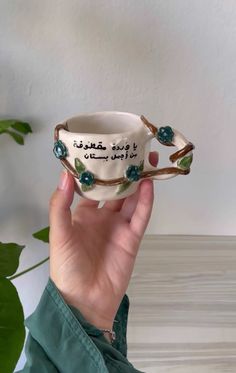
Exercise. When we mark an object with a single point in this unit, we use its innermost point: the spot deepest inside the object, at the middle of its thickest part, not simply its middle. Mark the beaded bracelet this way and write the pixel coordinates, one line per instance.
(111, 333)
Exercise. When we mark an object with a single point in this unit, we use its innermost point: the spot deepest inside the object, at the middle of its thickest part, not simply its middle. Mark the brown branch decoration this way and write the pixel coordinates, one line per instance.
(144, 174)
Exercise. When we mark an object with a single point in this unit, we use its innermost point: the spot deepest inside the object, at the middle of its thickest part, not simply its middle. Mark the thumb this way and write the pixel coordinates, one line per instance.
(60, 202)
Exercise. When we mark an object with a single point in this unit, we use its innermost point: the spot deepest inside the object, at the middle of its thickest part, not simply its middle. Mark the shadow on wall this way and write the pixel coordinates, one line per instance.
(80, 37)
(24, 219)
(57, 31)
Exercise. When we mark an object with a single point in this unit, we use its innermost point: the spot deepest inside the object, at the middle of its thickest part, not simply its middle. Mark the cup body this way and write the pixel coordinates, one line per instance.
(107, 143)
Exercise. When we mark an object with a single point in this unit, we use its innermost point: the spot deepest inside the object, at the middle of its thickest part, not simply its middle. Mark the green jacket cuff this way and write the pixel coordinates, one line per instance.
(119, 326)
(69, 343)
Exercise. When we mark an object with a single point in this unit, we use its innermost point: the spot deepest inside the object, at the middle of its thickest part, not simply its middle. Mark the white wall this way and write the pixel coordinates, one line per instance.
(173, 61)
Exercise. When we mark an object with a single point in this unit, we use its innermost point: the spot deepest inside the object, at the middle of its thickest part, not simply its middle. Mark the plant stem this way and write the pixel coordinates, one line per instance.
(28, 269)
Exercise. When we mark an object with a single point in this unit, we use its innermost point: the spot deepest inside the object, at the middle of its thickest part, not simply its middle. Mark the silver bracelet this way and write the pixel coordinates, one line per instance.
(111, 332)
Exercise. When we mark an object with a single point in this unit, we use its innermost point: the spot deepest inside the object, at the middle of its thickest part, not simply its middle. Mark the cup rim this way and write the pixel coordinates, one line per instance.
(98, 113)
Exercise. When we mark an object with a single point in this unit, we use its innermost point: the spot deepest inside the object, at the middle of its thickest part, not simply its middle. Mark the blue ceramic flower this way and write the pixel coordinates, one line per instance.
(133, 173)
(165, 135)
(60, 149)
(87, 178)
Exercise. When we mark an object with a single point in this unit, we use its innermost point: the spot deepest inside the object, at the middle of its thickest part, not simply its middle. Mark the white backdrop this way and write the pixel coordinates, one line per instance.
(171, 60)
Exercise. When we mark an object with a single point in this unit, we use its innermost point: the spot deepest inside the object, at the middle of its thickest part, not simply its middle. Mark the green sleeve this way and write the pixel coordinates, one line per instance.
(37, 359)
(61, 340)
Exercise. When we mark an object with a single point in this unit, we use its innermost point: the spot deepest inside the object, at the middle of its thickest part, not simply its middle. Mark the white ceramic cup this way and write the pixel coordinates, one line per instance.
(107, 153)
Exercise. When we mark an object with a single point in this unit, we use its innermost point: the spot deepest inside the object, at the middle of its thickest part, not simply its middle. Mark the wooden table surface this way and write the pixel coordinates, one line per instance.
(182, 315)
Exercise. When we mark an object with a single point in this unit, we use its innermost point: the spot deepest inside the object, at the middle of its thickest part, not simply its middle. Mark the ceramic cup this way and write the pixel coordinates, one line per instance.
(107, 153)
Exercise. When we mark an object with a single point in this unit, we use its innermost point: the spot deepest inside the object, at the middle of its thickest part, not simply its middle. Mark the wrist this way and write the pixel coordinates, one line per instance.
(98, 315)
(94, 318)
(93, 315)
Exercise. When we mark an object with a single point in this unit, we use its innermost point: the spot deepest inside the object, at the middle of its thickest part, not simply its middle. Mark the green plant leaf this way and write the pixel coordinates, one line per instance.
(123, 187)
(12, 328)
(9, 258)
(22, 127)
(6, 123)
(42, 235)
(79, 166)
(185, 162)
(18, 138)
(141, 165)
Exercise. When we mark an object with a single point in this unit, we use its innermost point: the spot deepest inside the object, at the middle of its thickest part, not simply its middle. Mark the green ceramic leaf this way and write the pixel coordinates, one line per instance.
(85, 187)
(79, 166)
(123, 187)
(185, 162)
(42, 235)
(12, 328)
(141, 165)
(9, 259)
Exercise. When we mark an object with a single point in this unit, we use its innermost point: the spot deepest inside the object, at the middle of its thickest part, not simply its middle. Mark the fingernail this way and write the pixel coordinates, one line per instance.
(63, 180)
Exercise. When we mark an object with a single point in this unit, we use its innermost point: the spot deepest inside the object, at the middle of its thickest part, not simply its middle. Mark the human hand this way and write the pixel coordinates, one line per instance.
(93, 250)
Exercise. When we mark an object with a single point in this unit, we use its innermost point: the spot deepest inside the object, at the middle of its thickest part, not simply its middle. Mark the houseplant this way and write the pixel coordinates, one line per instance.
(12, 330)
